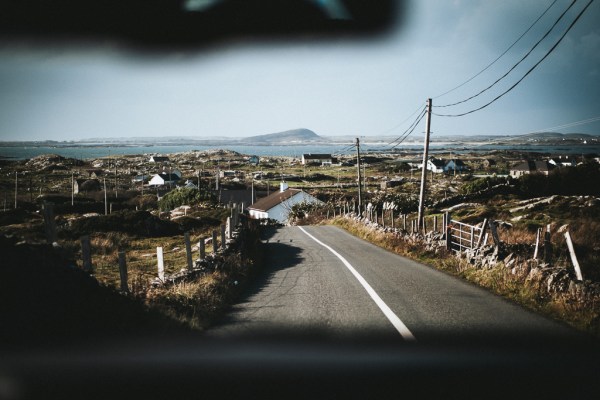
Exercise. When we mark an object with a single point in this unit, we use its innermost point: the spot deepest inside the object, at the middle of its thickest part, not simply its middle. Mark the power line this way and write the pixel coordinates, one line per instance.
(563, 126)
(401, 123)
(514, 66)
(527, 73)
(409, 132)
(501, 55)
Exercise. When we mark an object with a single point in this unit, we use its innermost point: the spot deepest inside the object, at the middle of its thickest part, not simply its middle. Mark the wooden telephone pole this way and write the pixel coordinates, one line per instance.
(424, 167)
(359, 180)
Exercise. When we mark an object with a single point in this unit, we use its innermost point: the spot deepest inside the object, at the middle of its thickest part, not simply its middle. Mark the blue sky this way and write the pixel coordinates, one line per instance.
(336, 87)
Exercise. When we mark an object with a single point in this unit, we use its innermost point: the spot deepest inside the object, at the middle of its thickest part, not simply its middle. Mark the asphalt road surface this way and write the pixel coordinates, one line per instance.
(322, 281)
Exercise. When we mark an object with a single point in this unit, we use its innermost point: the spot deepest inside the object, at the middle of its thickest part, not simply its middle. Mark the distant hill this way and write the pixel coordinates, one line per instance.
(294, 135)
(549, 136)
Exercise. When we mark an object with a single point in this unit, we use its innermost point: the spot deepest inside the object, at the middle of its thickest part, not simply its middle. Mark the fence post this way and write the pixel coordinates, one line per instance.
(123, 272)
(446, 223)
(494, 233)
(188, 250)
(223, 237)
(86, 253)
(404, 222)
(229, 227)
(161, 264)
(202, 248)
(49, 223)
(435, 223)
(214, 242)
(573, 256)
(547, 245)
(483, 228)
(424, 225)
(393, 219)
(383, 218)
(448, 233)
(537, 243)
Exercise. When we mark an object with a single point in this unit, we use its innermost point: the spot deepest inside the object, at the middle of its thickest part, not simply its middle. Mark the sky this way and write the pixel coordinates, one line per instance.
(333, 87)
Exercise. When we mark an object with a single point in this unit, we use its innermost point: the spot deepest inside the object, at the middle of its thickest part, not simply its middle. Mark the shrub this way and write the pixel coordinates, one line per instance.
(185, 196)
(140, 223)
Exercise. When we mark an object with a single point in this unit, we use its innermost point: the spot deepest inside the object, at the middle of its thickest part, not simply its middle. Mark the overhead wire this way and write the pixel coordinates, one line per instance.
(501, 55)
(401, 123)
(527, 73)
(404, 134)
(563, 126)
(516, 65)
(409, 132)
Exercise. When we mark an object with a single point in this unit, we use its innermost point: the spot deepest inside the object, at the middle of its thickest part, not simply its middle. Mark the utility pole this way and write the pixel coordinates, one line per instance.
(116, 183)
(16, 187)
(105, 202)
(359, 181)
(424, 167)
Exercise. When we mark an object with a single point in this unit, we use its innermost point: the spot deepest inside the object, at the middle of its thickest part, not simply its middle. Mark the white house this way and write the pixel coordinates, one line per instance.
(434, 165)
(323, 159)
(277, 206)
(163, 179)
(158, 159)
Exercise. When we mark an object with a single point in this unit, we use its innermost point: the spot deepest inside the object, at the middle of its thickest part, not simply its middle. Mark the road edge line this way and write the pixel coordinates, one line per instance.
(387, 311)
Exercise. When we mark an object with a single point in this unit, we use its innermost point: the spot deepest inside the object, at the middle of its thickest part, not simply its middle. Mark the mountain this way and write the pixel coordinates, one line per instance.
(287, 137)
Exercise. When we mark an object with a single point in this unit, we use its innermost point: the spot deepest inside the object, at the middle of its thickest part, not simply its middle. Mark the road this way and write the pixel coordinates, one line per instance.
(321, 280)
(330, 317)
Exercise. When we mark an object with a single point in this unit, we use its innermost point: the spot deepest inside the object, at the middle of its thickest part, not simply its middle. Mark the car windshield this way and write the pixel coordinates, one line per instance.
(304, 187)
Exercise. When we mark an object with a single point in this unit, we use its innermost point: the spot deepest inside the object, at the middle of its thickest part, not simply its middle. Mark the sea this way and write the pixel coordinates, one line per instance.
(22, 152)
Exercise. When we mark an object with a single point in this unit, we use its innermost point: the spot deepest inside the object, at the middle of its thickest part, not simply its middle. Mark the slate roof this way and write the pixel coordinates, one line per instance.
(266, 203)
(532, 166)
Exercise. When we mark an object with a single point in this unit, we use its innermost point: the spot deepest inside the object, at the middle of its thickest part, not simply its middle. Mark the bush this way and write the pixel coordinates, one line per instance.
(185, 196)
(140, 223)
(581, 180)
(145, 202)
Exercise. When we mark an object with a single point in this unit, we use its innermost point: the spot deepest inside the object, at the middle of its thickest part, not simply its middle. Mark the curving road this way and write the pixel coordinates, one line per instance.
(321, 280)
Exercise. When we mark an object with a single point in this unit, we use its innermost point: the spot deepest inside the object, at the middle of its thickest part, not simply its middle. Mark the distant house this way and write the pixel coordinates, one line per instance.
(531, 167)
(323, 159)
(140, 178)
(158, 159)
(277, 206)
(455, 165)
(561, 161)
(95, 173)
(86, 185)
(227, 174)
(190, 185)
(175, 171)
(435, 165)
(163, 179)
(253, 160)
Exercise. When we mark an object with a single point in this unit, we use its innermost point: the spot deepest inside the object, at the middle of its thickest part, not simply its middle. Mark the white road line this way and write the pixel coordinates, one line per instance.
(393, 318)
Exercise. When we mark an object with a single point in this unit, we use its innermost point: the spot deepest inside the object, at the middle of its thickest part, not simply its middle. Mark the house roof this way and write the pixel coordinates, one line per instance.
(532, 166)
(437, 162)
(456, 162)
(315, 156)
(168, 177)
(159, 158)
(266, 203)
